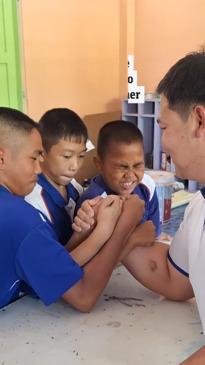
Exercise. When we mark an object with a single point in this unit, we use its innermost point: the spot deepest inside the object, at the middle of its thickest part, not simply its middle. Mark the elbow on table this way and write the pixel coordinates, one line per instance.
(81, 300)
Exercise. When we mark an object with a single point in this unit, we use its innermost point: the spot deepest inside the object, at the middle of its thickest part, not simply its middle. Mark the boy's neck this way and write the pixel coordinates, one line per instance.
(61, 188)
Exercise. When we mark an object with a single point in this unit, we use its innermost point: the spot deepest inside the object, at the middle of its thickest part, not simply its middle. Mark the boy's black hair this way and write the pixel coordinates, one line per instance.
(61, 123)
(117, 131)
(184, 84)
(16, 120)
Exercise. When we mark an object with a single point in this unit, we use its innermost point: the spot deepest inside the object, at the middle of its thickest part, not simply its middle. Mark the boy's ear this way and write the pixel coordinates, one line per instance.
(200, 121)
(2, 158)
(98, 163)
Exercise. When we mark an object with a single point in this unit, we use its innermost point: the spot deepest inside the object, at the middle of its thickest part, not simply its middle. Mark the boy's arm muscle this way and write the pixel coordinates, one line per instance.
(151, 267)
(98, 270)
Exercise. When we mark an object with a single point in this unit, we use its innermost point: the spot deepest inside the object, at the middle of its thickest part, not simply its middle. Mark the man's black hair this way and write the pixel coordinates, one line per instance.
(61, 123)
(117, 131)
(184, 83)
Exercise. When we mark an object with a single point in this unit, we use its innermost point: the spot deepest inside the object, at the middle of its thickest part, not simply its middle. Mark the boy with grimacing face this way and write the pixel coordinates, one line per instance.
(120, 161)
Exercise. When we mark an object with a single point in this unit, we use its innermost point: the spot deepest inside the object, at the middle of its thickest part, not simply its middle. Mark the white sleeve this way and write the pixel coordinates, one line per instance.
(35, 198)
(178, 252)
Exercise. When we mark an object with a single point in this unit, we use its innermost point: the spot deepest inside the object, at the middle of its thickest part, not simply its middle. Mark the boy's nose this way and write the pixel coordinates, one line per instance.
(38, 168)
(73, 164)
(129, 172)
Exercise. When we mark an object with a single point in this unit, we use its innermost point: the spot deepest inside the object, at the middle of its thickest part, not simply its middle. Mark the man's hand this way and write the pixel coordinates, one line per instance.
(133, 210)
(143, 235)
(85, 218)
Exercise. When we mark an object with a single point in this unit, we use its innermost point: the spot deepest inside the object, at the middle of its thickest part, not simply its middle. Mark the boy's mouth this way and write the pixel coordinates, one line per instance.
(128, 184)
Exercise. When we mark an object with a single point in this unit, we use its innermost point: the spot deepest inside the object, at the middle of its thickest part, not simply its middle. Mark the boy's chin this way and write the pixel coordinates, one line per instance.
(125, 192)
(64, 180)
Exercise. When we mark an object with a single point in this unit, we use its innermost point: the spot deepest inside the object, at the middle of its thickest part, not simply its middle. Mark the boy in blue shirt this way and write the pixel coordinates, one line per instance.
(64, 137)
(120, 161)
(32, 259)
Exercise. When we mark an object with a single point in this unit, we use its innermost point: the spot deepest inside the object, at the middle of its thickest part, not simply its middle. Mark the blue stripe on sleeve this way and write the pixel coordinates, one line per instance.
(177, 267)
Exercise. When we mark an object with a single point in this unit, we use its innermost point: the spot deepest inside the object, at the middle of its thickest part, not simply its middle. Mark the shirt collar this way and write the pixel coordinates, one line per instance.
(4, 189)
(52, 191)
(99, 181)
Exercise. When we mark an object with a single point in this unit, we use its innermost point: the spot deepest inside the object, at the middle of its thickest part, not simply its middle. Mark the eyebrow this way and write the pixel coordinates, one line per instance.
(127, 165)
(68, 150)
(39, 152)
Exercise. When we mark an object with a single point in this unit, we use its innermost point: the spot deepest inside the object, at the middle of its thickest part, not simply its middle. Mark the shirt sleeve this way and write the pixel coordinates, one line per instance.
(45, 265)
(178, 252)
(153, 213)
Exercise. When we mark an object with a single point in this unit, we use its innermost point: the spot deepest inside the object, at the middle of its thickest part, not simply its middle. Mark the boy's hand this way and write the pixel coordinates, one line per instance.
(108, 213)
(85, 218)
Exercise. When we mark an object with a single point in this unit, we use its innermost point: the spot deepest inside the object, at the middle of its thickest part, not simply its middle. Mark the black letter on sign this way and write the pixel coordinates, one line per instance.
(130, 79)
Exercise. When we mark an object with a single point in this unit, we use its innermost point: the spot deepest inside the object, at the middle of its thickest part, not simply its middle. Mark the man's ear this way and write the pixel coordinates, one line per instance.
(98, 163)
(199, 111)
(2, 158)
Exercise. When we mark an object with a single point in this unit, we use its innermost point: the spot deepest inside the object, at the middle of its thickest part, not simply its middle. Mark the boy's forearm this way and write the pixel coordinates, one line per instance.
(107, 258)
(98, 271)
(86, 250)
(76, 239)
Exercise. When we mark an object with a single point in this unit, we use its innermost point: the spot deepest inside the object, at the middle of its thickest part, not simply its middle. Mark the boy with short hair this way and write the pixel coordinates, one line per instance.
(32, 259)
(64, 137)
(120, 161)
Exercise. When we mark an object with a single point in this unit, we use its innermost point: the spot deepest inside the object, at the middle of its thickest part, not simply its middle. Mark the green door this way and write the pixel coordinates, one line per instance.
(10, 78)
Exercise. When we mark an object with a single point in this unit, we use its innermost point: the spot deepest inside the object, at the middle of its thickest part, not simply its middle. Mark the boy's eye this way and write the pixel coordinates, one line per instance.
(123, 168)
(67, 157)
(82, 156)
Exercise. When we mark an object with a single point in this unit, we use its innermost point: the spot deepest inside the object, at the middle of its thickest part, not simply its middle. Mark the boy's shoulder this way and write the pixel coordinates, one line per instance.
(36, 199)
(14, 211)
(96, 187)
(147, 185)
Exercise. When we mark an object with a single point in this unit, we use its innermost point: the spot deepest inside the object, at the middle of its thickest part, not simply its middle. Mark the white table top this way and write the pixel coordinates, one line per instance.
(116, 332)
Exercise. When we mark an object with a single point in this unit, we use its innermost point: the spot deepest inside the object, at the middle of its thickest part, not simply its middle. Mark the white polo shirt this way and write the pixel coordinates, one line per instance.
(187, 250)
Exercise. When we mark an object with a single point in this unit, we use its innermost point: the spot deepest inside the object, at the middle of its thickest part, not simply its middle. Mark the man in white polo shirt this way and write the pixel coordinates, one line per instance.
(178, 271)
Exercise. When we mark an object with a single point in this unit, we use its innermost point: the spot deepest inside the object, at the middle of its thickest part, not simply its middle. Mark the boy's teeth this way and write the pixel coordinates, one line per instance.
(127, 184)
